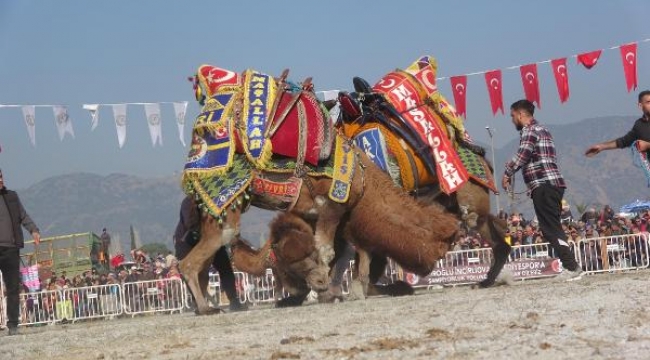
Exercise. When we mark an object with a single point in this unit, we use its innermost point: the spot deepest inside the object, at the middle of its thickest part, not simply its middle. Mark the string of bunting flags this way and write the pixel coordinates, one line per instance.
(530, 80)
(493, 82)
(64, 122)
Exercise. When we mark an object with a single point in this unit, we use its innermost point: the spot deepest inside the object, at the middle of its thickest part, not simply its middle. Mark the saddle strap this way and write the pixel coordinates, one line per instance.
(302, 141)
(281, 87)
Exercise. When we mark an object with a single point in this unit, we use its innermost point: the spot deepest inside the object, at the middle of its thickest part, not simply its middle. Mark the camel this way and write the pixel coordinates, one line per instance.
(369, 109)
(291, 253)
(251, 122)
(382, 219)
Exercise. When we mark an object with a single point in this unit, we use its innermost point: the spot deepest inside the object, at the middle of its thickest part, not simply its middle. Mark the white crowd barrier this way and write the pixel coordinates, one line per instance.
(596, 255)
(614, 253)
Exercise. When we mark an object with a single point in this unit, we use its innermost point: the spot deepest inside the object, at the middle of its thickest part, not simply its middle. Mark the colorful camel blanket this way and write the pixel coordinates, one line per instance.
(477, 168)
(218, 191)
(641, 160)
(407, 95)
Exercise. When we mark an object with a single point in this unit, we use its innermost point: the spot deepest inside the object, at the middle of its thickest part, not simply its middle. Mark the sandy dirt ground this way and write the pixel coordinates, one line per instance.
(600, 317)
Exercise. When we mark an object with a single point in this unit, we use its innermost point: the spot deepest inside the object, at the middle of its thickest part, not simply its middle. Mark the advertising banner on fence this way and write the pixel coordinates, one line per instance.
(464, 274)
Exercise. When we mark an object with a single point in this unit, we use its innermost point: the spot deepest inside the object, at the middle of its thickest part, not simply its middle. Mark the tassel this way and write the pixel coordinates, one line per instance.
(640, 159)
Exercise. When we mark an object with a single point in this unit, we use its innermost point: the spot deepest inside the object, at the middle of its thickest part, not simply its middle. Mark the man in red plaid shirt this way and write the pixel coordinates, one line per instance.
(537, 159)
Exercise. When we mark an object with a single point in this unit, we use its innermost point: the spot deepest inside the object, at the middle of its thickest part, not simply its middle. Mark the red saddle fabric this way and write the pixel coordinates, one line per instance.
(286, 139)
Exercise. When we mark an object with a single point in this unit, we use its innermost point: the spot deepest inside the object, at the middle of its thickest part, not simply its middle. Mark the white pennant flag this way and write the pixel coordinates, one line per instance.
(63, 122)
(119, 113)
(29, 114)
(94, 115)
(152, 111)
(179, 109)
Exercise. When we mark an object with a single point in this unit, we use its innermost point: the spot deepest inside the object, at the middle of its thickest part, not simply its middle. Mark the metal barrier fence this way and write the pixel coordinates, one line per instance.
(596, 255)
(614, 253)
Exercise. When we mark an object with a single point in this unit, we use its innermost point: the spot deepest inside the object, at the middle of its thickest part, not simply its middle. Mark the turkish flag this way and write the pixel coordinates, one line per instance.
(459, 88)
(531, 82)
(628, 55)
(493, 82)
(561, 78)
(589, 59)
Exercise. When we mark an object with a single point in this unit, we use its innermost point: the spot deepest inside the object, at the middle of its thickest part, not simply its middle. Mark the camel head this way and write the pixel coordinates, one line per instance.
(295, 253)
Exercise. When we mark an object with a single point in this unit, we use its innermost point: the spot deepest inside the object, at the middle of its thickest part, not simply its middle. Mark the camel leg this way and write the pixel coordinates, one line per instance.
(359, 286)
(213, 236)
(329, 216)
(500, 249)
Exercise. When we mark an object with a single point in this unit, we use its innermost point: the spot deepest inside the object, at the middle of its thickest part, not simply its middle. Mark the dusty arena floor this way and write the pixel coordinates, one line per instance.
(599, 317)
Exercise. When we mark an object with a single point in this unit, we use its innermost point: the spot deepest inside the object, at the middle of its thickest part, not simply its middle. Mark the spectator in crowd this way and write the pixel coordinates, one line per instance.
(606, 214)
(590, 217)
(590, 233)
(12, 216)
(537, 157)
(105, 239)
(566, 217)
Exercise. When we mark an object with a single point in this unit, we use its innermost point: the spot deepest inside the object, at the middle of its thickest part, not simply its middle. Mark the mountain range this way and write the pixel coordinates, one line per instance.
(83, 202)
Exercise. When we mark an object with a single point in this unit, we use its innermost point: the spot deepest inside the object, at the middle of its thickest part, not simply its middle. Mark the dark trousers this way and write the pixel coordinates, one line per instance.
(221, 263)
(10, 267)
(547, 201)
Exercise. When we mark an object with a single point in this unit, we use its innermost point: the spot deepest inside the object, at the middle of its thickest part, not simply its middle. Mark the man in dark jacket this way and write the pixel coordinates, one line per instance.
(640, 131)
(12, 215)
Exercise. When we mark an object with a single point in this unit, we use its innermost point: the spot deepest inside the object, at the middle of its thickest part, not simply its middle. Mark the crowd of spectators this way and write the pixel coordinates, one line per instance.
(592, 224)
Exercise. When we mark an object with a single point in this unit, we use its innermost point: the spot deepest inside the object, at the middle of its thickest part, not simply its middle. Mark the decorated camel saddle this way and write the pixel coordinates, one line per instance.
(258, 135)
(412, 132)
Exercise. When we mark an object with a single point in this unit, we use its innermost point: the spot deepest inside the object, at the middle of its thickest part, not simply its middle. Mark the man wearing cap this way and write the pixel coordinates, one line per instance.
(12, 216)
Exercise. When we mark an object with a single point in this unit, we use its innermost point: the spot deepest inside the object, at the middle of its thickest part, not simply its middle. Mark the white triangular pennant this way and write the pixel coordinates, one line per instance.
(29, 114)
(179, 109)
(152, 111)
(119, 113)
(94, 115)
(63, 122)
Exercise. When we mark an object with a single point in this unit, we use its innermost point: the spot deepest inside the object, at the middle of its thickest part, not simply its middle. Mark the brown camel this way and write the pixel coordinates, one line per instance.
(471, 202)
(389, 223)
(291, 253)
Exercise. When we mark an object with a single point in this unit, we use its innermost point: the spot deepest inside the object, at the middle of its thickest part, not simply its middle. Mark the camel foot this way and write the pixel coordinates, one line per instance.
(208, 311)
(238, 306)
(331, 295)
(356, 291)
(291, 301)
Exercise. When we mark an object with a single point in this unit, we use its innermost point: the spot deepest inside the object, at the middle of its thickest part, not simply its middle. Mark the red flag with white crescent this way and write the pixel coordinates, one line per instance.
(459, 88)
(628, 55)
(493, 82)
(561, 78)
(589, 59)
(531, 83)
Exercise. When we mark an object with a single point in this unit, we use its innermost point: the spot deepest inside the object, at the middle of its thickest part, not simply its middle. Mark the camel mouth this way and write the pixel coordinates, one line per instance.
(318, 280)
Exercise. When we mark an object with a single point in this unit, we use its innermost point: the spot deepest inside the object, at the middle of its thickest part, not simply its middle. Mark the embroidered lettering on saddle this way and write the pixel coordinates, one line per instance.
(253, 126)
(419, 130)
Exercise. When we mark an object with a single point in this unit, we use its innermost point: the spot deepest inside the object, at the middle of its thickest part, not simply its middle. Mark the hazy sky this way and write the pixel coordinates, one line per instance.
(76, 52)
